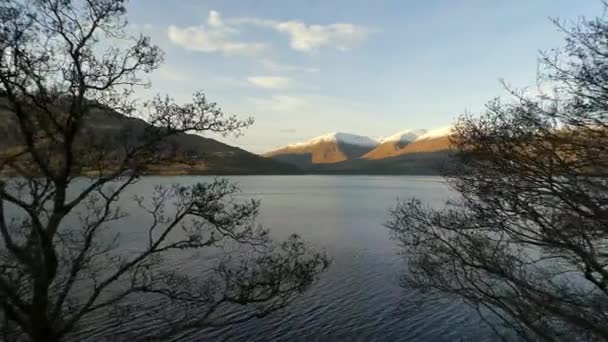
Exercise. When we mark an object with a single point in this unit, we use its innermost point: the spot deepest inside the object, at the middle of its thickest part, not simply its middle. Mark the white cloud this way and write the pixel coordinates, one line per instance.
(280, 103)
(308, 38)
(217, 35)
(214, 37)
(269, 82)
(214, 19)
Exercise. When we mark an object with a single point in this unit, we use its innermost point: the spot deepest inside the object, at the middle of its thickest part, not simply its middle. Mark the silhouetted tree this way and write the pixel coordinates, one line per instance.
(524, 241)
(67, 68)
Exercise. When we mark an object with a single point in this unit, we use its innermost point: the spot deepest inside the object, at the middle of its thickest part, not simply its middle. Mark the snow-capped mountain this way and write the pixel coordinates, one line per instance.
(442, 132)
(391, 145)
(325, 149)
(407, 135)
(411, 141)
(339, 137)
(345, 151)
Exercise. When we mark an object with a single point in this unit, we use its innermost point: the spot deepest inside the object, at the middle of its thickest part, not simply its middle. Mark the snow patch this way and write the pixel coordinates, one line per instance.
(338, 137)
(407, 135)
(436, 133)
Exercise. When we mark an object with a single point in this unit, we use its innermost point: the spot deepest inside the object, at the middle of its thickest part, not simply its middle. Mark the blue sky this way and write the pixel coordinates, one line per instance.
(304, 68)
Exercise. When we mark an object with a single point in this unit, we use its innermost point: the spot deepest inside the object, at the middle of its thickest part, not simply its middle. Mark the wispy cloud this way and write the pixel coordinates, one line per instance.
(215, 36)
(307, 38)
(214, 19)
(219, 35)
(269, 82)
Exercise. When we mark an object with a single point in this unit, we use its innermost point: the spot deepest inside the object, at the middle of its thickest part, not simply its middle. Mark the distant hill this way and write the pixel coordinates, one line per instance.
(326, 149)
(198, 155)
(406, 152)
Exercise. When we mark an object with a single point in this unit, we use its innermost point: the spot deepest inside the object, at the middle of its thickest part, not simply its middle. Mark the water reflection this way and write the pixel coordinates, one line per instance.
(359, 298)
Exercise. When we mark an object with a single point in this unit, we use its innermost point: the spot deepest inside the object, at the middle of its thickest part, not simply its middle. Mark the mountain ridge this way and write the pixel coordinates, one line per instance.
(195, 154)
(339, 137)
(412, 141)
(328, 148)
(411, 151)
(405, 135)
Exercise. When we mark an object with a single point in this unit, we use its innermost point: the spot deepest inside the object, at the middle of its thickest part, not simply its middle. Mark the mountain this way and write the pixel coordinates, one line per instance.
(196, 154)
(432, 141)
(406, 152)
(412, 141)
(329, 148)
(392, 145)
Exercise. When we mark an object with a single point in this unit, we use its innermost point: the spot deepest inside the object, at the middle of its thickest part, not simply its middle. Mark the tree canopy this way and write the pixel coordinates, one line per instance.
(63, 64)
(524, 240)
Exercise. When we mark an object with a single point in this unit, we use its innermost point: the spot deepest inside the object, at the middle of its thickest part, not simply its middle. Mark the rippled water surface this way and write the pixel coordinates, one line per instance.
(359, 298)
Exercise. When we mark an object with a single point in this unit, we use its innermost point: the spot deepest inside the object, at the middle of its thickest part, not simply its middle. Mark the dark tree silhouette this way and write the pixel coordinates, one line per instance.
(68, 72)
(525, 239)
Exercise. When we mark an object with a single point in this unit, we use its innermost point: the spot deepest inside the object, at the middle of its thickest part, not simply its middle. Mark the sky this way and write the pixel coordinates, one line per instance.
(309, 67)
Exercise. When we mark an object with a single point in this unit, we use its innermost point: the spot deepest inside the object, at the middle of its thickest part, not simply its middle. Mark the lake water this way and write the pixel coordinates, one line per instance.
(359, 298)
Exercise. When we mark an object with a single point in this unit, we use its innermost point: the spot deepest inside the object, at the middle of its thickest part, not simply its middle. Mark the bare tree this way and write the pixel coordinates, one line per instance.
(525, 242)
(67, 68)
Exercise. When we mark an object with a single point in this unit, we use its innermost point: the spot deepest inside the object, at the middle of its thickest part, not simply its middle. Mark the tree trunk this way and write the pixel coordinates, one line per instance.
(42, 329)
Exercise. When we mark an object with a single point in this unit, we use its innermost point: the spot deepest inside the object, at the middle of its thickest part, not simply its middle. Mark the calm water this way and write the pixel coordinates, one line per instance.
(359, 298)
